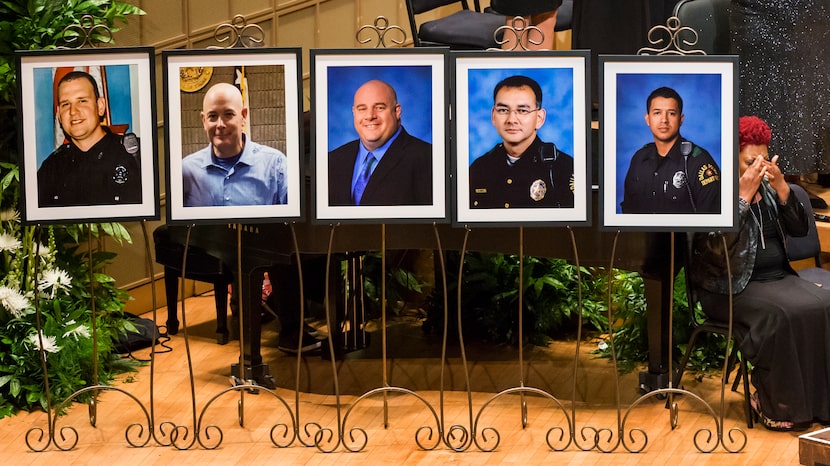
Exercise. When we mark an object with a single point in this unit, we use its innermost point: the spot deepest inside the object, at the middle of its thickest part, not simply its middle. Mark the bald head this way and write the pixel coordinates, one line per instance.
(377, 114)
(224, 117)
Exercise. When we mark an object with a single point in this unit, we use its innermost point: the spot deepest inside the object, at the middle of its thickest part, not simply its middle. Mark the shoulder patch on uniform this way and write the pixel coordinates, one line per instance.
(708, 173)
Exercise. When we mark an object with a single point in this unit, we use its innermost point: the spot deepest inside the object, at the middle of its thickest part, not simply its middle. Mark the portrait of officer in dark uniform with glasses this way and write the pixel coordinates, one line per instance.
(522, 170)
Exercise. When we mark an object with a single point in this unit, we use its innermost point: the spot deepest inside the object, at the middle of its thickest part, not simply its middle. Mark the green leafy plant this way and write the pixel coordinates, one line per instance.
(47, 269)
(402, 286)
(42, 282)
(631, 338)
(489, 307)
(40, 24)
(489, 298)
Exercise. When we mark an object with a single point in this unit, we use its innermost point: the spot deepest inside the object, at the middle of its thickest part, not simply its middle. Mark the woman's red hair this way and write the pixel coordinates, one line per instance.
(753, 131)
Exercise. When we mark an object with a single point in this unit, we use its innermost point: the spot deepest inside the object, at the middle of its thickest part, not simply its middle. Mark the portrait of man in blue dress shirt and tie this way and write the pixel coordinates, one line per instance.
(385, 165)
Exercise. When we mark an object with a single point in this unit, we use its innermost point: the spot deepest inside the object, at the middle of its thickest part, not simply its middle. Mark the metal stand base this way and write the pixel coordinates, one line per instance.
(258, 374)
(649, 381)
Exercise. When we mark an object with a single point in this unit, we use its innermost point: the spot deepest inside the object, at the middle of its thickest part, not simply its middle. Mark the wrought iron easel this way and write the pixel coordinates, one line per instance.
(671, 39)
(88, 34)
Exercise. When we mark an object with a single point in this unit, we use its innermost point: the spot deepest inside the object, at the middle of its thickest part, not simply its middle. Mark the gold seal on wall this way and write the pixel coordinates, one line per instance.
(193, 78)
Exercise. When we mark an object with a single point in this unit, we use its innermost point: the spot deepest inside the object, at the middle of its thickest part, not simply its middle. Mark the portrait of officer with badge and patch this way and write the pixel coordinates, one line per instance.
(670, 175)
(522, 170)
(94, 165)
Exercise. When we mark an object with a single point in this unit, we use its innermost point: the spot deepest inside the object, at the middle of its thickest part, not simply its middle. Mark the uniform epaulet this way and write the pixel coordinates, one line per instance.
(696, 151)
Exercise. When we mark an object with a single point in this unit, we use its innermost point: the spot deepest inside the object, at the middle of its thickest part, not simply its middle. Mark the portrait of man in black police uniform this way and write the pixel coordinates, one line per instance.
(522, 170)
(94, 166)
(670, 175)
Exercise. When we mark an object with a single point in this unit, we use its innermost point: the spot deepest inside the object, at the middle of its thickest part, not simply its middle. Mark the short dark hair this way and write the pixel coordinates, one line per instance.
(519, 81)
(666, 93)
(72, 75)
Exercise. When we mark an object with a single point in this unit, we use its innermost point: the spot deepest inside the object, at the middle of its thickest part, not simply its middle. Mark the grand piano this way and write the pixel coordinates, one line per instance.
(265, 246)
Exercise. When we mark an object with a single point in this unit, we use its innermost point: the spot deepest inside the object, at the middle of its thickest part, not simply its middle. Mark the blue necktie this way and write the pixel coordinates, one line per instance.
(363, 179)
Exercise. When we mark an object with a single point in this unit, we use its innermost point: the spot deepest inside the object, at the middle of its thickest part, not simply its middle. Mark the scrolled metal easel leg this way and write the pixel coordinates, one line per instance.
(456, 437)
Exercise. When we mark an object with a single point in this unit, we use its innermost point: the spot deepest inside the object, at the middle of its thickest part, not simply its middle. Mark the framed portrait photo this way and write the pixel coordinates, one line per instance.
(380, 135)
(522, 142)
(234, 135)
(88, 135)
(668, 130)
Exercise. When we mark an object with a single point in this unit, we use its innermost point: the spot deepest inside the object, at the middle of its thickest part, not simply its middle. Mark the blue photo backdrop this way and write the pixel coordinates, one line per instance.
(412, 84)
(557, 100)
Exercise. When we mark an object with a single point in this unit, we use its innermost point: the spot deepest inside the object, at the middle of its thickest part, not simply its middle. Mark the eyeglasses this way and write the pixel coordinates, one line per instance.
(520, 112)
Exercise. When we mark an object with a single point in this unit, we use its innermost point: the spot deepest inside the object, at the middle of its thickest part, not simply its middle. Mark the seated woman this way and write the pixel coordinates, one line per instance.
(783, 321)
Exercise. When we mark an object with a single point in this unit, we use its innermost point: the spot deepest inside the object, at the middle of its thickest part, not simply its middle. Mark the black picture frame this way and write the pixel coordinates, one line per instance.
(270, 81)
(416, 191)
(708, 86)
(563, 77)
(116, 179)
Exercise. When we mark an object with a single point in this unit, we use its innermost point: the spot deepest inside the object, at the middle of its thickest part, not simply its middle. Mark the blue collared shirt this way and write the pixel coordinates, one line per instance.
(257, 178)
(363, 152)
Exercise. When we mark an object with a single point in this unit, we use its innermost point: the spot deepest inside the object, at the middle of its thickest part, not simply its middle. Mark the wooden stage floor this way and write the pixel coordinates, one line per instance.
(250, 444)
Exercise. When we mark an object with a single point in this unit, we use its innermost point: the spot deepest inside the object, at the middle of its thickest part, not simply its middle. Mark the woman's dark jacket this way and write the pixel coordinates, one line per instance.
(708, 269)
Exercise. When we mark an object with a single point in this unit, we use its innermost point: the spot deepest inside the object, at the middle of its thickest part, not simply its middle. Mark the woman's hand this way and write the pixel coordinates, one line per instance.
(751, 179)
(777, 181)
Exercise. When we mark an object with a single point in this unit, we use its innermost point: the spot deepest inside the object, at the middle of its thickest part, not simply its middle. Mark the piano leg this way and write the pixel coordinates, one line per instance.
(657, 303)
(250, 366)
(171, 291)
(657, 271)
(220, 295)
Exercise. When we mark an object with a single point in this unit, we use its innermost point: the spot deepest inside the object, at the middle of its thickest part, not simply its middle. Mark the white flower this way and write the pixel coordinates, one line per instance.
(602, 345)
(9, 215)
(12, 300)
(42, 250)
(50, 344)
(81, 330)
(8, 242)
(54, 280)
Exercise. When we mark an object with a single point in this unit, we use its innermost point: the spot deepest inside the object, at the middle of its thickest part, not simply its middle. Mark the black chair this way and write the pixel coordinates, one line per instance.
(808, 247)
(464, 29)
(719, 328)
(565, 17)
(710, 18)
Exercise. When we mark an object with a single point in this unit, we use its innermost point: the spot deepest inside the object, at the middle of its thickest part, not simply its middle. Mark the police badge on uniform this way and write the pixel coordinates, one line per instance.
(120, 174)
(679, 179)
(538, 190)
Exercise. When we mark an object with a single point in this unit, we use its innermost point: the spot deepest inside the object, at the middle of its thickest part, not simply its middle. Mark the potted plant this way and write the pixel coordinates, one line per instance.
(48, 277)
